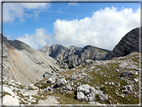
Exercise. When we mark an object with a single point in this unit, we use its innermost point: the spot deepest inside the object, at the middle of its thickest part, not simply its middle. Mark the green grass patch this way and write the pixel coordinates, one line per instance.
(68, 99)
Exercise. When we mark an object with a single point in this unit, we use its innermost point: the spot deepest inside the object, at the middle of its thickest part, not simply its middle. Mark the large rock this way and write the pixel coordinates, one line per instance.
(129, 43)
(61, 82)
(81, 96)
(51, 80)
(86, 93)
(126, 73)
(127, 89)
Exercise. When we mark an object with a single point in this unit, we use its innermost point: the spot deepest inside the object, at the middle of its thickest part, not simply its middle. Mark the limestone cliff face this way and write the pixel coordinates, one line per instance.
(24, 64)
(129, 43)
(74, 54)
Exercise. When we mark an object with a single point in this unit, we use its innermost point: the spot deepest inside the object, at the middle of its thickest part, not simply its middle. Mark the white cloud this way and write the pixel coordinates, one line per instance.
(11, 11)
(104, 29)
(37, 40)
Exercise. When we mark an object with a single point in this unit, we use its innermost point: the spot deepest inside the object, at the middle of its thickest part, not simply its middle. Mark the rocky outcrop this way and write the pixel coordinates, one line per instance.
(16, 94)
(74, 54)
(88, 93)
(60, 82)
(24, 64)
(129, 43)
(127, 89)
(51, 80)
(126, 74)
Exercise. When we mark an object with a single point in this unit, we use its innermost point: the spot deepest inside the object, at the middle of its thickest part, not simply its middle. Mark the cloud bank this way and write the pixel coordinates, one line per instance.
(104, 29)
(36, 40)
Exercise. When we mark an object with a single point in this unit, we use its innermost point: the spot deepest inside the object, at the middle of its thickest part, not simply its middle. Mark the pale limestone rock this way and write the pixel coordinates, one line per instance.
(9, 100)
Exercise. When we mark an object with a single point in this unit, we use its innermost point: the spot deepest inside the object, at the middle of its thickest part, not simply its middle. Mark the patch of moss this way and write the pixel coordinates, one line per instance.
(123, 83)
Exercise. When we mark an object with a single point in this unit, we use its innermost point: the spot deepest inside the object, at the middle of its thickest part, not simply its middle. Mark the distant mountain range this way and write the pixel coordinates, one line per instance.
(20, 61)
(77, 55)
(129, 43)
(112, 81)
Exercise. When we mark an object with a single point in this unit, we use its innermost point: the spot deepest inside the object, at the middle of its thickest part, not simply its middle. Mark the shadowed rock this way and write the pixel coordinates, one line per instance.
(129, 43)
(126, 74)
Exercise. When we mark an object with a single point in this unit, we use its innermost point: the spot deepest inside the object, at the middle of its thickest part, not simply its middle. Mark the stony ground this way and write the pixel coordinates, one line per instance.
(15, 93)
(113, 81)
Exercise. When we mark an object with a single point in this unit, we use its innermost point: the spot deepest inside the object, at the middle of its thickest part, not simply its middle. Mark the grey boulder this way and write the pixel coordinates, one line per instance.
(127, 89)
(51, 80)
(86, 93)
(61, 82)
(126, 73)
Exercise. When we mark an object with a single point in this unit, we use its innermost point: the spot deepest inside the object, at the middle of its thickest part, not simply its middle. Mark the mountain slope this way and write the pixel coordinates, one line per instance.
(115, 81)
(24, 64)
(129, 43)
(74, 54)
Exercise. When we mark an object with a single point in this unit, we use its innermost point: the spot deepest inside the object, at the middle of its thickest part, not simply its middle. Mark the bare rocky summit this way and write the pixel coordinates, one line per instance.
(77, 55)
(24, 64)
(129, 43)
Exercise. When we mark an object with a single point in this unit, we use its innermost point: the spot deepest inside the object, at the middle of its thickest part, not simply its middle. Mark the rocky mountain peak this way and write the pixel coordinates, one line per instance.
(87, 47)
(129, 43)
(19, 45)
(77, 55)
(24, 64)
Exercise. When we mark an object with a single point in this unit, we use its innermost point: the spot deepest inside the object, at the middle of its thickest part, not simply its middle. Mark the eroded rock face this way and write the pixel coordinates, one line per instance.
(129, 43)
(74, 54)
(24, 64)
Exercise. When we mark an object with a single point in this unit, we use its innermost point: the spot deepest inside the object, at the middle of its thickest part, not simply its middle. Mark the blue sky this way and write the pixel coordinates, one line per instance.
(79, 24)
